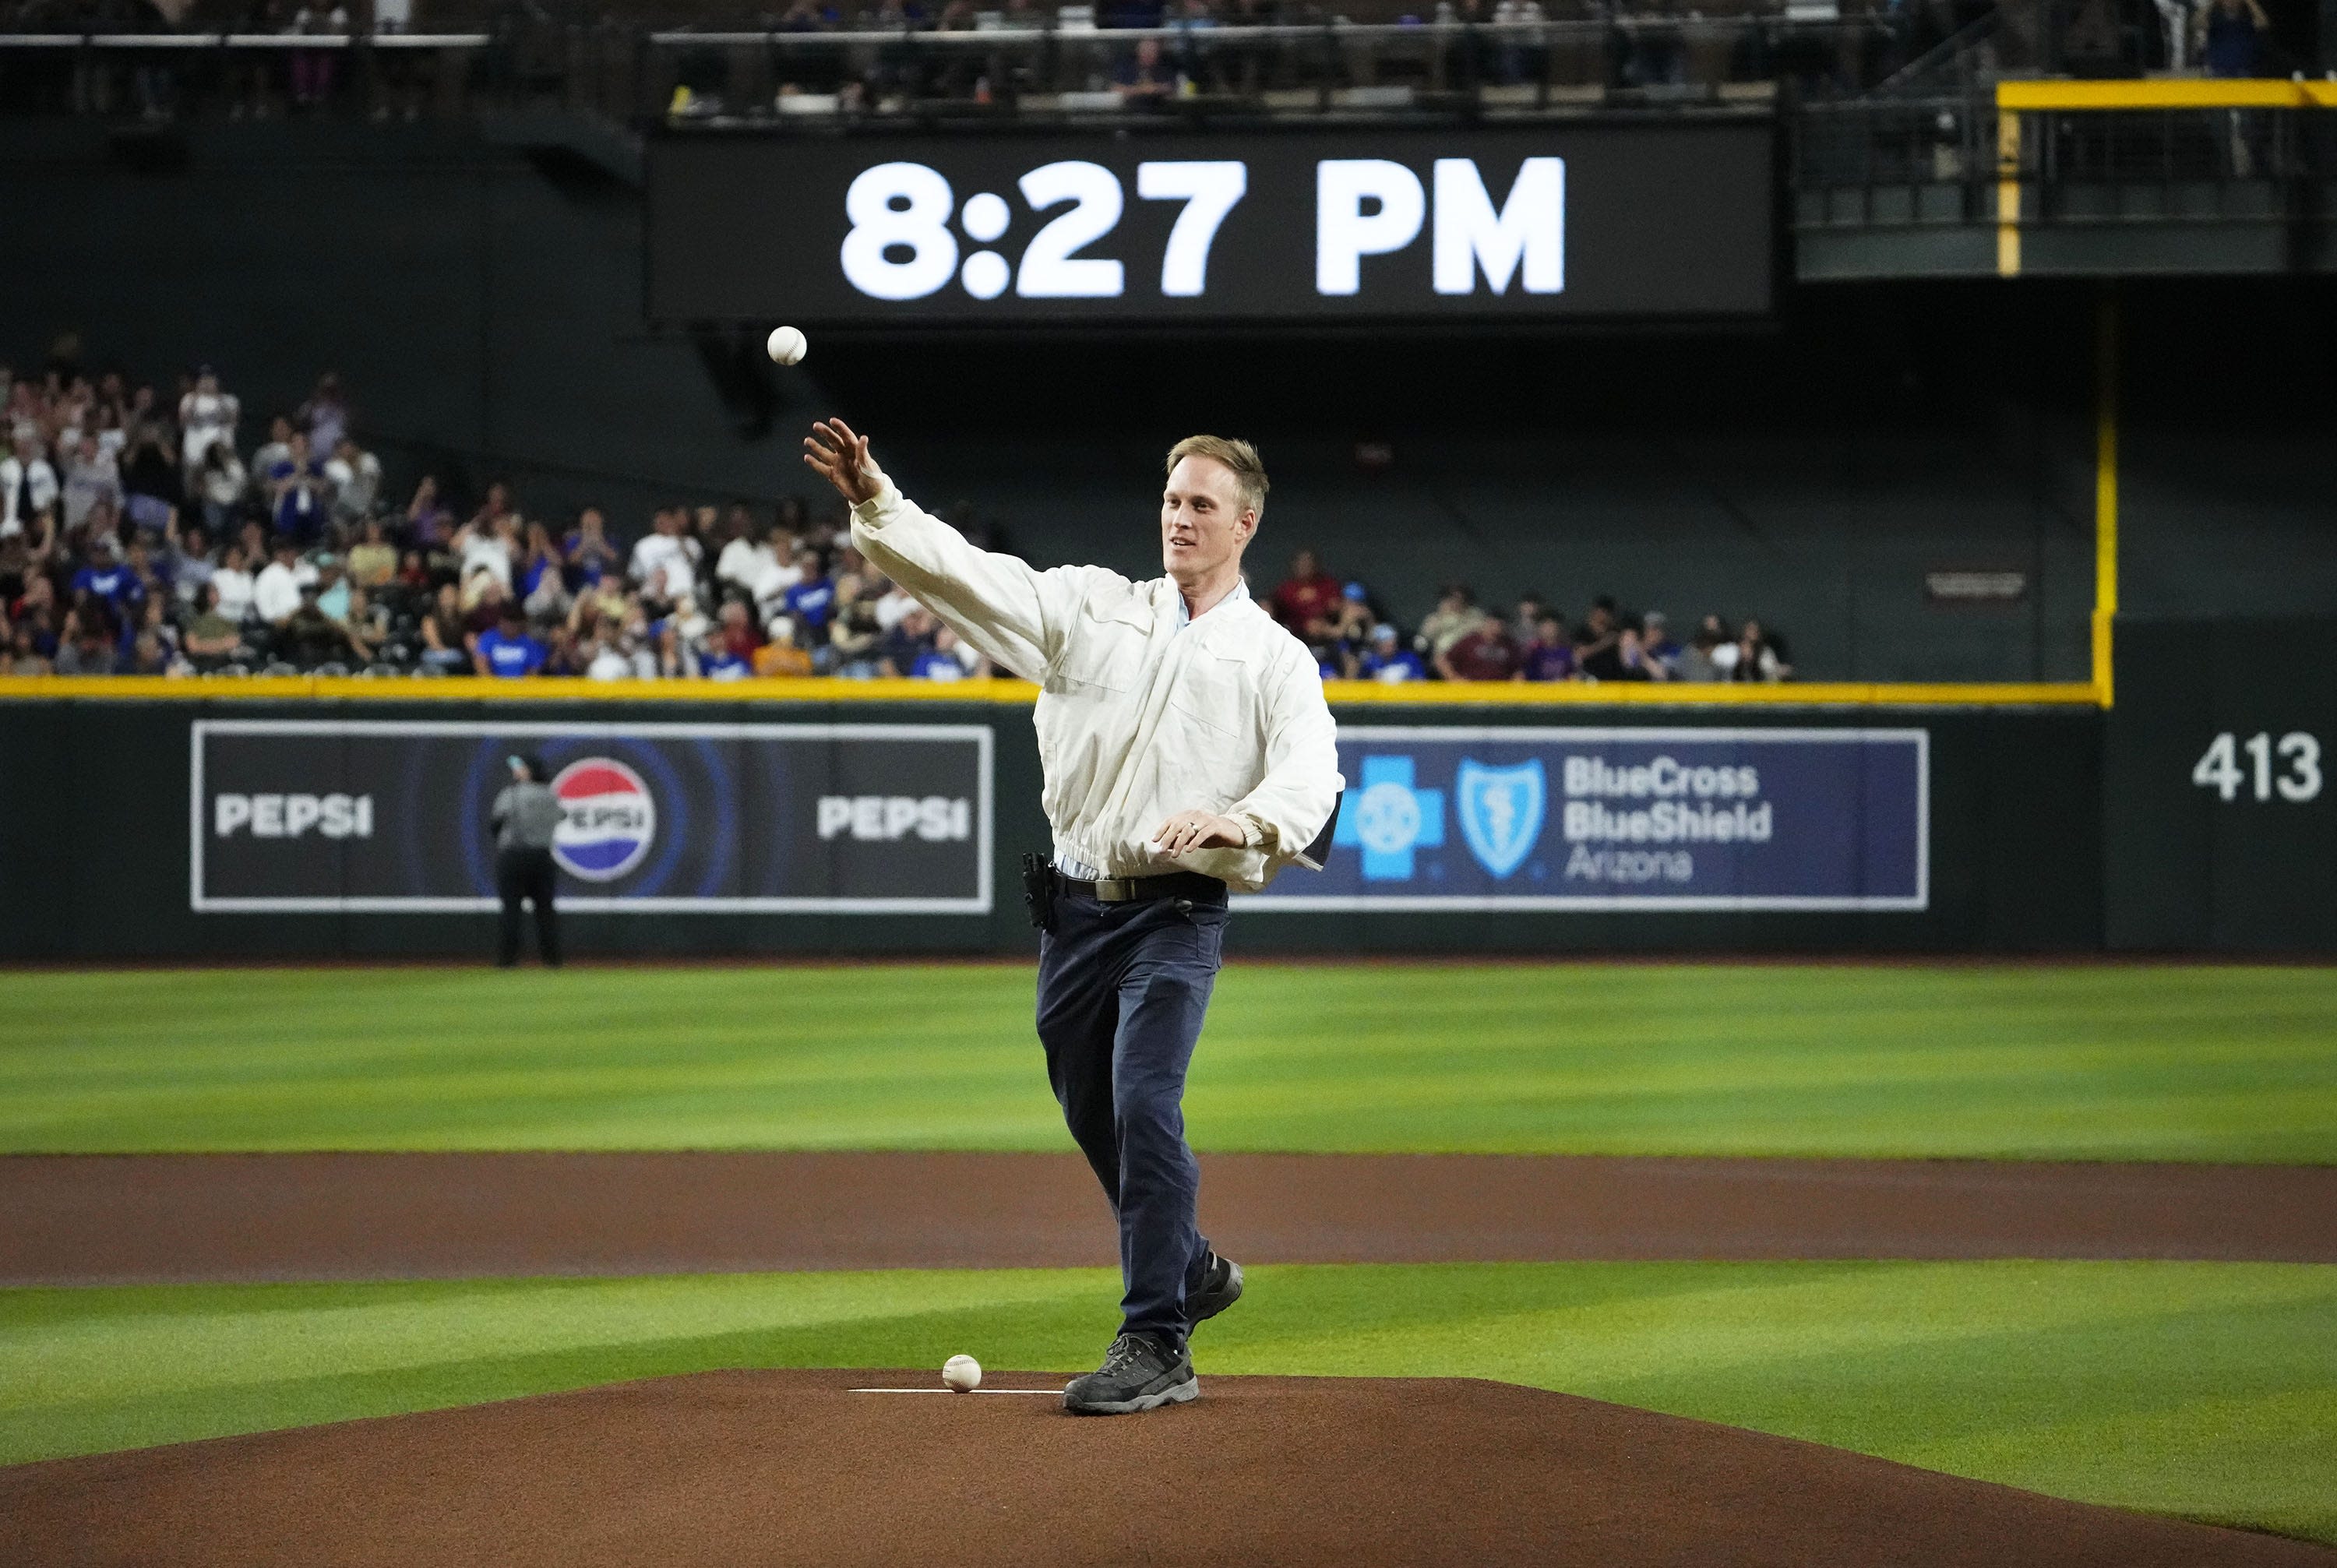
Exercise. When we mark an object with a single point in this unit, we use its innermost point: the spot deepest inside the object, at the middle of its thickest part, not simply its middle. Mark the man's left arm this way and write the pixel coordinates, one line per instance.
(1291, 804)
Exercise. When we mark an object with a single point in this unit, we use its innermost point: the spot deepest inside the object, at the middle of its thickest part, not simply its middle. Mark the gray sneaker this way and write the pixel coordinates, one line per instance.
(1137, 1374)
(1220, 1287)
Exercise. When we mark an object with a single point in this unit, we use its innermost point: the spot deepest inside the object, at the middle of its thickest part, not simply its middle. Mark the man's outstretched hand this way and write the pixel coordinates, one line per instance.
(1197, 830)
(842, 459)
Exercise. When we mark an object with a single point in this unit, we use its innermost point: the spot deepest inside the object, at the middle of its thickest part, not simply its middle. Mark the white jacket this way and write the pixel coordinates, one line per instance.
(1138, 717)
(40, 488)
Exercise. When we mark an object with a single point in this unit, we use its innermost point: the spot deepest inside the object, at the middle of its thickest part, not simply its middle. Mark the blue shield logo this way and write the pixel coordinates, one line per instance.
(1501, 812)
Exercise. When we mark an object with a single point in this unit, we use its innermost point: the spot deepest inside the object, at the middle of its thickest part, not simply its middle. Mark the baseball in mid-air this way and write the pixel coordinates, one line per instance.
(962, 1372)
(787, 345)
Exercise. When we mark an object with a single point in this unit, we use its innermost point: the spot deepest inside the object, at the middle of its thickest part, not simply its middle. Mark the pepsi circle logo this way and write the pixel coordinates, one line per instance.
(610, 820)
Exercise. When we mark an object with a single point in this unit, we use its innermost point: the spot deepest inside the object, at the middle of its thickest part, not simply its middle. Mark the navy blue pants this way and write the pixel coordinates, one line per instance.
(1122, 991)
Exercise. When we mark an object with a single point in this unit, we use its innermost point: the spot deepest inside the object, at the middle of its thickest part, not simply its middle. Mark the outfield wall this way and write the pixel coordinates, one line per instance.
(198, 828)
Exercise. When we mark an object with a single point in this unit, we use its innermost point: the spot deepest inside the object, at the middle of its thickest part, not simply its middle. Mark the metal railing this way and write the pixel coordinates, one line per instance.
(1965, 159)
(1644, 59)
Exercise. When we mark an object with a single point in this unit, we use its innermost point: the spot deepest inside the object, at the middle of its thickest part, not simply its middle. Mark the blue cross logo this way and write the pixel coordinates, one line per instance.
(1390, 819)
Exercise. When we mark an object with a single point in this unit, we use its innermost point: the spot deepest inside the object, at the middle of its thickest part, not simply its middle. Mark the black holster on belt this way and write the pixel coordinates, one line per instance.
(1039, 890)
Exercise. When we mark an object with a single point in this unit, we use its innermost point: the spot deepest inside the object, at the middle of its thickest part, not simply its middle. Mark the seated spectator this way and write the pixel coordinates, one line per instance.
(1306, 598)
(213, 637)
(276, 590)
(745, 559)
(86, 645)
(428, 524)
(446, 639)
(373, 561)
(907, 641)
(734, 629)
(1631, 660)
(234, 584)
(1456, 616)
(1388, 660)
(1483, 653)
(779, 655)
(719, 660)
(785, 571)
(1597, 642)
(508, 650)
(310, 637)
(948, 658)
(1549, 656)
(106, 577)
(853, 640)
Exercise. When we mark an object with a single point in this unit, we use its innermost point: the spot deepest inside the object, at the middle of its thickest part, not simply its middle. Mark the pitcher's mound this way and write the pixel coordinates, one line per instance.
(796, 1467)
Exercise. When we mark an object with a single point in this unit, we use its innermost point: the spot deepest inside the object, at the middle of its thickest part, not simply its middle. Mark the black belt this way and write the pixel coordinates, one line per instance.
(1133, 890)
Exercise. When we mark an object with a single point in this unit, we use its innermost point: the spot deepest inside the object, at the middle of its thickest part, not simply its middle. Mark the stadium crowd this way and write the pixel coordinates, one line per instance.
(1461, 641)
(139, 535)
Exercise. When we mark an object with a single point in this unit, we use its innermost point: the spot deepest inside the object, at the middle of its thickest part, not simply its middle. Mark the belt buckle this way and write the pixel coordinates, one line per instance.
(1115, 890)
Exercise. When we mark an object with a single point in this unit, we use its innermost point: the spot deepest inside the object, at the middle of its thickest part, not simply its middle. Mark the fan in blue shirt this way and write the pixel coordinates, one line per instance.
(1389, 659)
(811, 602)
(508, 650)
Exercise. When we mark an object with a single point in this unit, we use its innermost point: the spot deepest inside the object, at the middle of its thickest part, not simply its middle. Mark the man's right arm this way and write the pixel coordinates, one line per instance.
(1014, 615)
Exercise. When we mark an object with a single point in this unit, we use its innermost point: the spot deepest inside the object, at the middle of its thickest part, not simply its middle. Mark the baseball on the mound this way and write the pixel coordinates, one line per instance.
(787, 345)
(962, 1374)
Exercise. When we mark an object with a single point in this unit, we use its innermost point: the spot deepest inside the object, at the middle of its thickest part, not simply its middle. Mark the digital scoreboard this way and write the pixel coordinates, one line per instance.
(1519, 224)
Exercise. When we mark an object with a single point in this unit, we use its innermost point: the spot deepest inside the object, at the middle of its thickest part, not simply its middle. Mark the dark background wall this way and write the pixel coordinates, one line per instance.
(484, 304)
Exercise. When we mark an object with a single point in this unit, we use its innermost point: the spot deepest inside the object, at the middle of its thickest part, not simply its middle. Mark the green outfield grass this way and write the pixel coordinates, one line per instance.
(2202, 1390)
(2091, 1061)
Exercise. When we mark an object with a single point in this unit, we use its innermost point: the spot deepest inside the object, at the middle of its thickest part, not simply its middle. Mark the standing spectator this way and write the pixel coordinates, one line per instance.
(666, 548)
(526, 816)
(1550, 655)
(276, 449)
(446, 641)
(1655, 643)
(207, 416)
(812, 601)
(325, 414)
(1388, 660)
(218, 484)
(355, 476)
(91, 478)
(590, 552)
(1699, 662)
(295, 490)
(1753, 657)
(1456, 616)
(1525, 622)
(508, 649)
(745, 560)
(1307, 597)
(1598, 640)
(1483, 653)
(151, 486)
(2232, 35)
(28, 485)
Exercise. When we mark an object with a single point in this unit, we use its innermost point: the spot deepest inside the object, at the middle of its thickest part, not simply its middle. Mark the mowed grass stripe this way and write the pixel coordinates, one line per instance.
(2093, 1061)
(2201, 1390)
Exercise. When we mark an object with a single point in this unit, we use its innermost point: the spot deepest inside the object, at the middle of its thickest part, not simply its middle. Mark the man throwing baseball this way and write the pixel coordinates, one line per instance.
(1187, 750)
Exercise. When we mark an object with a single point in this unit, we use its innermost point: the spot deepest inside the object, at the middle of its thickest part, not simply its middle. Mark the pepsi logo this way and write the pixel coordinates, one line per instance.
(609, 820)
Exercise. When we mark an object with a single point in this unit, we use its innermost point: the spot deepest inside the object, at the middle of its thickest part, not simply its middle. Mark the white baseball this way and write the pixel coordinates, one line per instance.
(962, 1374)
(787, 345)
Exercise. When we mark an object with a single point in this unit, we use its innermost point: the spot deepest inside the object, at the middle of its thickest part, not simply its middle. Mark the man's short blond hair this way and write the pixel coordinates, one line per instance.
(1249, 471)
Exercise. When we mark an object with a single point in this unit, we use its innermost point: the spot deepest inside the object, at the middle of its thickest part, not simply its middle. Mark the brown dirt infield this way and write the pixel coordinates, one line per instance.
(105, 1219)
(792, 1467)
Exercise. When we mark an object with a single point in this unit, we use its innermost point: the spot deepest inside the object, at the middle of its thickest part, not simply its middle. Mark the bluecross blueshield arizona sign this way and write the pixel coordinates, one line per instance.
(1624, 818)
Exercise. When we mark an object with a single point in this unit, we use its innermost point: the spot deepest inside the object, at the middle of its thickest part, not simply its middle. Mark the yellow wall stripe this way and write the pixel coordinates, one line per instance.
(1020, 694)
(2106, 492)
(2167, 93)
